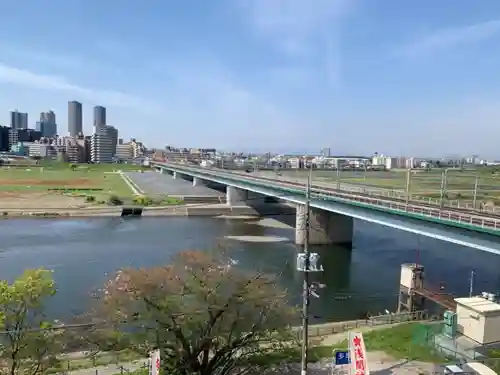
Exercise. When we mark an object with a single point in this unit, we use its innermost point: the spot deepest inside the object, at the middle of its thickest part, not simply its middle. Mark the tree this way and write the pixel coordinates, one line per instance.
(205, 315)
(26, 344)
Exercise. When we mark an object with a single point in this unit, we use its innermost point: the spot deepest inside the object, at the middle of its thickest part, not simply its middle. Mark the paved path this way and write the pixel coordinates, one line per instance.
(125, 367)
(379, 362)
(157, 183)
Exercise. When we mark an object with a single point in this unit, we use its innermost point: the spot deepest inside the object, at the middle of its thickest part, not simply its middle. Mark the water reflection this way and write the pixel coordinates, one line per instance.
(84, 253)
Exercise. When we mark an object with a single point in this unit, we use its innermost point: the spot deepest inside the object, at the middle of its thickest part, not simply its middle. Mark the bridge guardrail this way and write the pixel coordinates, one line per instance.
(392, 193)
(463, 218)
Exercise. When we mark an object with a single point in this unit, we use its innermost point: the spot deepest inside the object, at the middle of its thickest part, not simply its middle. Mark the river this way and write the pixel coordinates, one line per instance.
(85, 252)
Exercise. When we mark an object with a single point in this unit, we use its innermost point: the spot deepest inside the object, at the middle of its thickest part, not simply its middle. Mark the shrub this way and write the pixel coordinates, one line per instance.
(114, 200)
(89, 198)
(143, 200)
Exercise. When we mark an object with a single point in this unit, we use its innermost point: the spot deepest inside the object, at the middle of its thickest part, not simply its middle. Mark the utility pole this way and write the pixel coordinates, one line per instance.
(305, 291)
(471, 283)
(408, 185)
(474, 199)
(338, 174)
(444, 178)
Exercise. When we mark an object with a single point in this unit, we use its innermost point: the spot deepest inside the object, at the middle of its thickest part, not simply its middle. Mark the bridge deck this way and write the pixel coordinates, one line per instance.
(468, 217)
(464, 227)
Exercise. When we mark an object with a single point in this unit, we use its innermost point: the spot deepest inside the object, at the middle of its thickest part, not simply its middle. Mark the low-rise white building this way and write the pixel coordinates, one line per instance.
(478, 318)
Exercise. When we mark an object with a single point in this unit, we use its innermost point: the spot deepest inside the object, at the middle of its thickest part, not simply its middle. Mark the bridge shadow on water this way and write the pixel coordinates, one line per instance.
(365, 279)
(340, 298)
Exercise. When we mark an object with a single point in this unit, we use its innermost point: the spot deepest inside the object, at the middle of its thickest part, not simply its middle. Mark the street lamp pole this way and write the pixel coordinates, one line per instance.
(305, 291)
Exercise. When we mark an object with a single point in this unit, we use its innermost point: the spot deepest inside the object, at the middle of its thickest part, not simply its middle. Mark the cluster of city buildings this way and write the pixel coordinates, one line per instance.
(322, 160)
(44, 141)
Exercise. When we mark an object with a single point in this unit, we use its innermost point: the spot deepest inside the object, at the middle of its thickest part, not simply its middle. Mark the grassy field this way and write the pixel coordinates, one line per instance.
(460, 185)
(400, 342)
(68, 184)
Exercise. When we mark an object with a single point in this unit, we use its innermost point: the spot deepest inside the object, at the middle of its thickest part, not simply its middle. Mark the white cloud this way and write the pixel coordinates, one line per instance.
(450, 37)
(30, 79)
(205, 105)
(305, 30)
(292, 23)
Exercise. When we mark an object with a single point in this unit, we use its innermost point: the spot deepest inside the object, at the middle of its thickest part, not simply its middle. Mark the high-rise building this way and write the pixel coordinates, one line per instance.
(18, 120)
(23, 120)
(47, 129)
(99, 116)
(75, 118)
(47, 124)
(103, 144)
(13, 119)
(49, 116)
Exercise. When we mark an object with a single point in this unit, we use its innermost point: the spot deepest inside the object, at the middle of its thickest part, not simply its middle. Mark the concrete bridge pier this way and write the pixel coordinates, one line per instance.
(325, 227)
(177, 175)
(236, 196)
(199, 181)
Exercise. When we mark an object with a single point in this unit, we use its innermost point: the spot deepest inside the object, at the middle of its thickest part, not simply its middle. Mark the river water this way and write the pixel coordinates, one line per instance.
(85, 252)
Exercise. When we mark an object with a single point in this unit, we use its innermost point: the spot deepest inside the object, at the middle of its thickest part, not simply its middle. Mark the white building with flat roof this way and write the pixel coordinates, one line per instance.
(478, 318)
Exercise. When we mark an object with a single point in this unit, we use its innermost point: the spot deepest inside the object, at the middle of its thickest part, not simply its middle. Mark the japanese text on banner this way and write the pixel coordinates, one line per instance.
(358, 354)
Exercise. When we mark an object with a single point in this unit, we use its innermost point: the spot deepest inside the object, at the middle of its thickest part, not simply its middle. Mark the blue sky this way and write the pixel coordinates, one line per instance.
(358, 76)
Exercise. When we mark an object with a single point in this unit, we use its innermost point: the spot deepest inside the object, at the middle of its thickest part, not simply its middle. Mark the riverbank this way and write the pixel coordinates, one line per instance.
(380, 357)
(215, 210)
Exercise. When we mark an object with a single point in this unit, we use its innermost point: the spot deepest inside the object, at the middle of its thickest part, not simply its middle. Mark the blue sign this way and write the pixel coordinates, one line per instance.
(341, 358)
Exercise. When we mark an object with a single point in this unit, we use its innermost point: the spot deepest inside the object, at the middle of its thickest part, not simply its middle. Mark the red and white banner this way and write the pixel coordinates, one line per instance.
(357, 354)
(154, 362)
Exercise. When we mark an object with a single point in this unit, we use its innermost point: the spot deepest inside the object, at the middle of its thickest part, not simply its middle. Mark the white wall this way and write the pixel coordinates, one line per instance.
(470, 323)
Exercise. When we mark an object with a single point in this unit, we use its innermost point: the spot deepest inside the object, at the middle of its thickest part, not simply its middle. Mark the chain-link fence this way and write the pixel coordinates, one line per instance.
(341, 327)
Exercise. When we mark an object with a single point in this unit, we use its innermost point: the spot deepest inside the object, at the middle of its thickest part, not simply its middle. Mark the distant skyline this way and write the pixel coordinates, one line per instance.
(356, 76)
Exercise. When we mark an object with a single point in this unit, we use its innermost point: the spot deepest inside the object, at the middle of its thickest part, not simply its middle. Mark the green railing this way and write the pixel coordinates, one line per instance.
(319, 196)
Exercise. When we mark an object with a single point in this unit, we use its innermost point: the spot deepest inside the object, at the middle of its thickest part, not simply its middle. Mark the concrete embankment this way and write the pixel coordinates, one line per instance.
(180, 210)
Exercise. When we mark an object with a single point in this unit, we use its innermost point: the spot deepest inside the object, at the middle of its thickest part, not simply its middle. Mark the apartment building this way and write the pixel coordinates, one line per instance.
(103, 144)
(129, 150)
(23, 135)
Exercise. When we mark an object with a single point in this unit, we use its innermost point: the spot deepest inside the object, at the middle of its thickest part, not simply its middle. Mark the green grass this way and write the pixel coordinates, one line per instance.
(95, 167)
(159, 200)
(103, 359)
(81, 180)
(402, 342)
(460, 185)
